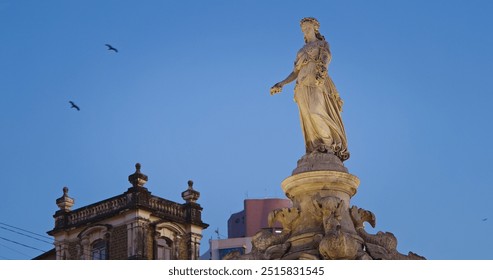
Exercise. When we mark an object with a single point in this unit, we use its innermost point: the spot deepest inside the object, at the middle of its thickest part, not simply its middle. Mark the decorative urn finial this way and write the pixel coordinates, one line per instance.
(65, 202)
(137, 179)
(190, 195)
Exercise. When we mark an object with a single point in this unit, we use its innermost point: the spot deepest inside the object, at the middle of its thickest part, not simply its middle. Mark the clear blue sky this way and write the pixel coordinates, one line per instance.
(187, 96)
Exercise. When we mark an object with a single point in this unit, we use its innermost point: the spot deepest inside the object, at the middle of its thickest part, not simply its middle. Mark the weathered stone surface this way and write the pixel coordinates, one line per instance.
(319, 161)
(380, 246)
(321, 225)
(318, 225)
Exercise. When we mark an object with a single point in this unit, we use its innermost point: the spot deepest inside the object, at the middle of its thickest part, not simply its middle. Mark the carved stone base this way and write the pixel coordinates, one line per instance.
(322, 200)
(308, 186)
(303, 244)
(319, 161)
(321, 224)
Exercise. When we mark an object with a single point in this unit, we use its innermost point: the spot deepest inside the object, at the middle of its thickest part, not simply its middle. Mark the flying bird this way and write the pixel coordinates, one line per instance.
(484, 220)
(111, 48)
(74, 106)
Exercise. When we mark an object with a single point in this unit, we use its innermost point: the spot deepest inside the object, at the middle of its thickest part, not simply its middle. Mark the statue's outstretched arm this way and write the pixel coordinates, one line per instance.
(277, 88)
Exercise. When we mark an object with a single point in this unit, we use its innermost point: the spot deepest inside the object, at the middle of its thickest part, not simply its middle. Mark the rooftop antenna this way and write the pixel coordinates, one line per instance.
(218, 234)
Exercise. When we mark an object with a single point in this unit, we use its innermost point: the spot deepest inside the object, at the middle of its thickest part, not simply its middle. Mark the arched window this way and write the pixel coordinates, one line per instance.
(98, 250)
(164, 249)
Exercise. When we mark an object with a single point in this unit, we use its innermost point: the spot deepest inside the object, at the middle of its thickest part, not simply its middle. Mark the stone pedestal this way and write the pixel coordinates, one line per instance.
(316, 184)
(321, 198)
(322, 224)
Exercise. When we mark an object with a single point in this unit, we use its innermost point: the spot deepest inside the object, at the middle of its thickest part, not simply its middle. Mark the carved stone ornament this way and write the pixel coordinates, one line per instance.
(335, 239)
(380, 246)
(138, 179)
(65, 202)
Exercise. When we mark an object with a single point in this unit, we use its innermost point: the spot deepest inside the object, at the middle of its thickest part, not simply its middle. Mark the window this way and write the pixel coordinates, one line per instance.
(98, 250)
(164, 249)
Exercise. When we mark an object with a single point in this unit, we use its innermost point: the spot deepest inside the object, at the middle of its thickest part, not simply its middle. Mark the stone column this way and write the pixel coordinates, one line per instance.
(61, 249)
(136, 240)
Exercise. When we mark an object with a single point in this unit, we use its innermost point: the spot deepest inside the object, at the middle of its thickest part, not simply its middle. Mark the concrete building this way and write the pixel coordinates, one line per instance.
(132, 225)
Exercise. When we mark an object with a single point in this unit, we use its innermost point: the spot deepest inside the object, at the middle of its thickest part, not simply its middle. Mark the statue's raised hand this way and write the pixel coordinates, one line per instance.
(277, 88)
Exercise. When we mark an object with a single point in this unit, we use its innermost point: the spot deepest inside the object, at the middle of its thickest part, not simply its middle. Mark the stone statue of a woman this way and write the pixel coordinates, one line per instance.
(319, 103)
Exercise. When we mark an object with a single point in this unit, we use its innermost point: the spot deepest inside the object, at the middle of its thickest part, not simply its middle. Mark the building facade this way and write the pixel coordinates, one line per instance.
(132, 225)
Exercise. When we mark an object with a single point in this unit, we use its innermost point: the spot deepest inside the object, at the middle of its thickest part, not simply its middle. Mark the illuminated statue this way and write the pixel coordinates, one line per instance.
(318, 101)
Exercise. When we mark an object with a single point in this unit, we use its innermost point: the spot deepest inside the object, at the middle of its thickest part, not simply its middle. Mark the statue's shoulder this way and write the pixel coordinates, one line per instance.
(324, 44)
(301, 52)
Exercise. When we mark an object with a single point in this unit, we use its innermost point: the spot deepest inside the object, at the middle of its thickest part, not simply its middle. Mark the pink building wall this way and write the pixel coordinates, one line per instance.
(254, 216)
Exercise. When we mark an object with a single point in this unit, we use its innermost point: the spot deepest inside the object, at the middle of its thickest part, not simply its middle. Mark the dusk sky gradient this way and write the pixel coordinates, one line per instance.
(187, 96)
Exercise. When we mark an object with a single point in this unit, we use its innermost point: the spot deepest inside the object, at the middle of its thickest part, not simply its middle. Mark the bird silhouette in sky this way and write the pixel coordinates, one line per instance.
(111, 48)
(74, 106)
(484, 220)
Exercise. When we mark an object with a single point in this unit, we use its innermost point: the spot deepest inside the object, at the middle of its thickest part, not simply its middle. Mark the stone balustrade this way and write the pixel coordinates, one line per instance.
(117, 204)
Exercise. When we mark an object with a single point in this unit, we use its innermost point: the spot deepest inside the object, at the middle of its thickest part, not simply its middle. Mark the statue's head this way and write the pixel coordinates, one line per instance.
(310, 20)
(315, 24)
